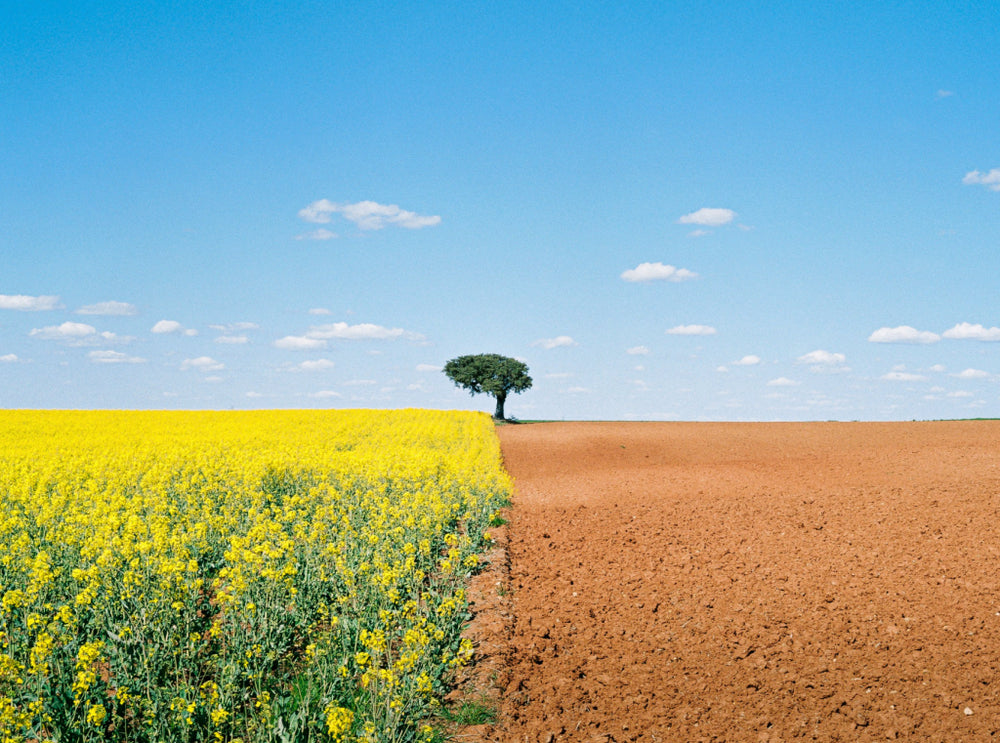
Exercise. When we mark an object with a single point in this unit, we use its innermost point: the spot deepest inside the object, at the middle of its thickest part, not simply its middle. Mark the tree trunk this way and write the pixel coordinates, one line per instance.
(501, 397)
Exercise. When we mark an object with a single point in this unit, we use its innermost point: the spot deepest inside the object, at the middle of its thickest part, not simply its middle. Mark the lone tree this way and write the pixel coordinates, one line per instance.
(490, 373)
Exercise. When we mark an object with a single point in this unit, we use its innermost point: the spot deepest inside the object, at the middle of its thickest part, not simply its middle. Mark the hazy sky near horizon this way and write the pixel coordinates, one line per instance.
(668, 210)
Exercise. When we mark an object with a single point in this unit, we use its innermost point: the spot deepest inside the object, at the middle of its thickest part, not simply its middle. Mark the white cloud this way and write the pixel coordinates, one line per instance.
(172, 326)
(320, 311)
(560, 341)
(972, 374)
(202, 363)
(722, 369)
(25, 303)
(167, 326)
(942, 93)
(232, 339)
(233, 327)
(428, 368)
(968, 331)
(709, 217)
(323, 394)
(78, 334)
(110, 337)
(109, 308)
(959, 393)
(750, 360)
(691, 330)
(359, 383)
(637, 351)
(367, 215)
(361, 331)
(902, 376)
(114, 357)
(321, 234)
(316, 365)
(699, 233)
(903, 334)
(991, 179)
(9, 358)
(822, 357)
(657, 272)
(299, 343)
(67, 331)
(782, 382)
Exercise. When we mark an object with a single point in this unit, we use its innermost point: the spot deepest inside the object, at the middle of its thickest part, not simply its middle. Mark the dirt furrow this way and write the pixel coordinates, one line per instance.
(753, 582)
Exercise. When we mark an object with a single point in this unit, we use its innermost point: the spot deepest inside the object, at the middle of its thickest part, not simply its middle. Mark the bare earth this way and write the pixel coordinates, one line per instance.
(749, 582)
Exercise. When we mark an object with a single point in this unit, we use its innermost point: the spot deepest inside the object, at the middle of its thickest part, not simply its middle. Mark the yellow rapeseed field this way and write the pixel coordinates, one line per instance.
(237, 576)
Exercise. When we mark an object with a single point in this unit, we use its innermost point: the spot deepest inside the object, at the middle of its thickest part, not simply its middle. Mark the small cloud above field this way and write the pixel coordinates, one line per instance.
(202, 363)
(820, 356)
(821, 361)
(234, 327)
(299, 343)
(111, 308)
(25, 303)
(691, 330)
(78, 334)
(903, 334)
(66, 331)
(783, 382)
(164, 327)
(114, 357)
(973, 374)
(9, 358)
(902, 376)
(750, 360)
(318, 335)
(708, 217)
(991, 179)
(316, 365)
(321, 234)
(560, 341)
(361, 331)
(657, 272)
(968, 331)
(367, 215)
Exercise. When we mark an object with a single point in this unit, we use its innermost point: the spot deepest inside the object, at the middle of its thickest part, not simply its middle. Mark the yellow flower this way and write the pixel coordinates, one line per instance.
(338, 721)
(96, 714)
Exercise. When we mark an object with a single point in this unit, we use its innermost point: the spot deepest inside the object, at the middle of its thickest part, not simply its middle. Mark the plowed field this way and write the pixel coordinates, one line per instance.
(753, 582)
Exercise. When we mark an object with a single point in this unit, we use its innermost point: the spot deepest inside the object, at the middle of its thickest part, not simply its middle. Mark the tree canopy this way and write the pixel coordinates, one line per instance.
(491, 373)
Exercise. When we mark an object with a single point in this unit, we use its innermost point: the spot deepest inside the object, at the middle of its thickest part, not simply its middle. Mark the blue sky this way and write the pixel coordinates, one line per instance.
(668, 210)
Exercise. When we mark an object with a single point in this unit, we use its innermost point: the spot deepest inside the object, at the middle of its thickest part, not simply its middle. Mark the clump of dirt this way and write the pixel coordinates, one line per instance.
(750, 582)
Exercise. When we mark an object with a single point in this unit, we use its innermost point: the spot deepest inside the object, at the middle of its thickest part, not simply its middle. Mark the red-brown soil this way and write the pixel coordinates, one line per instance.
(752, 582)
